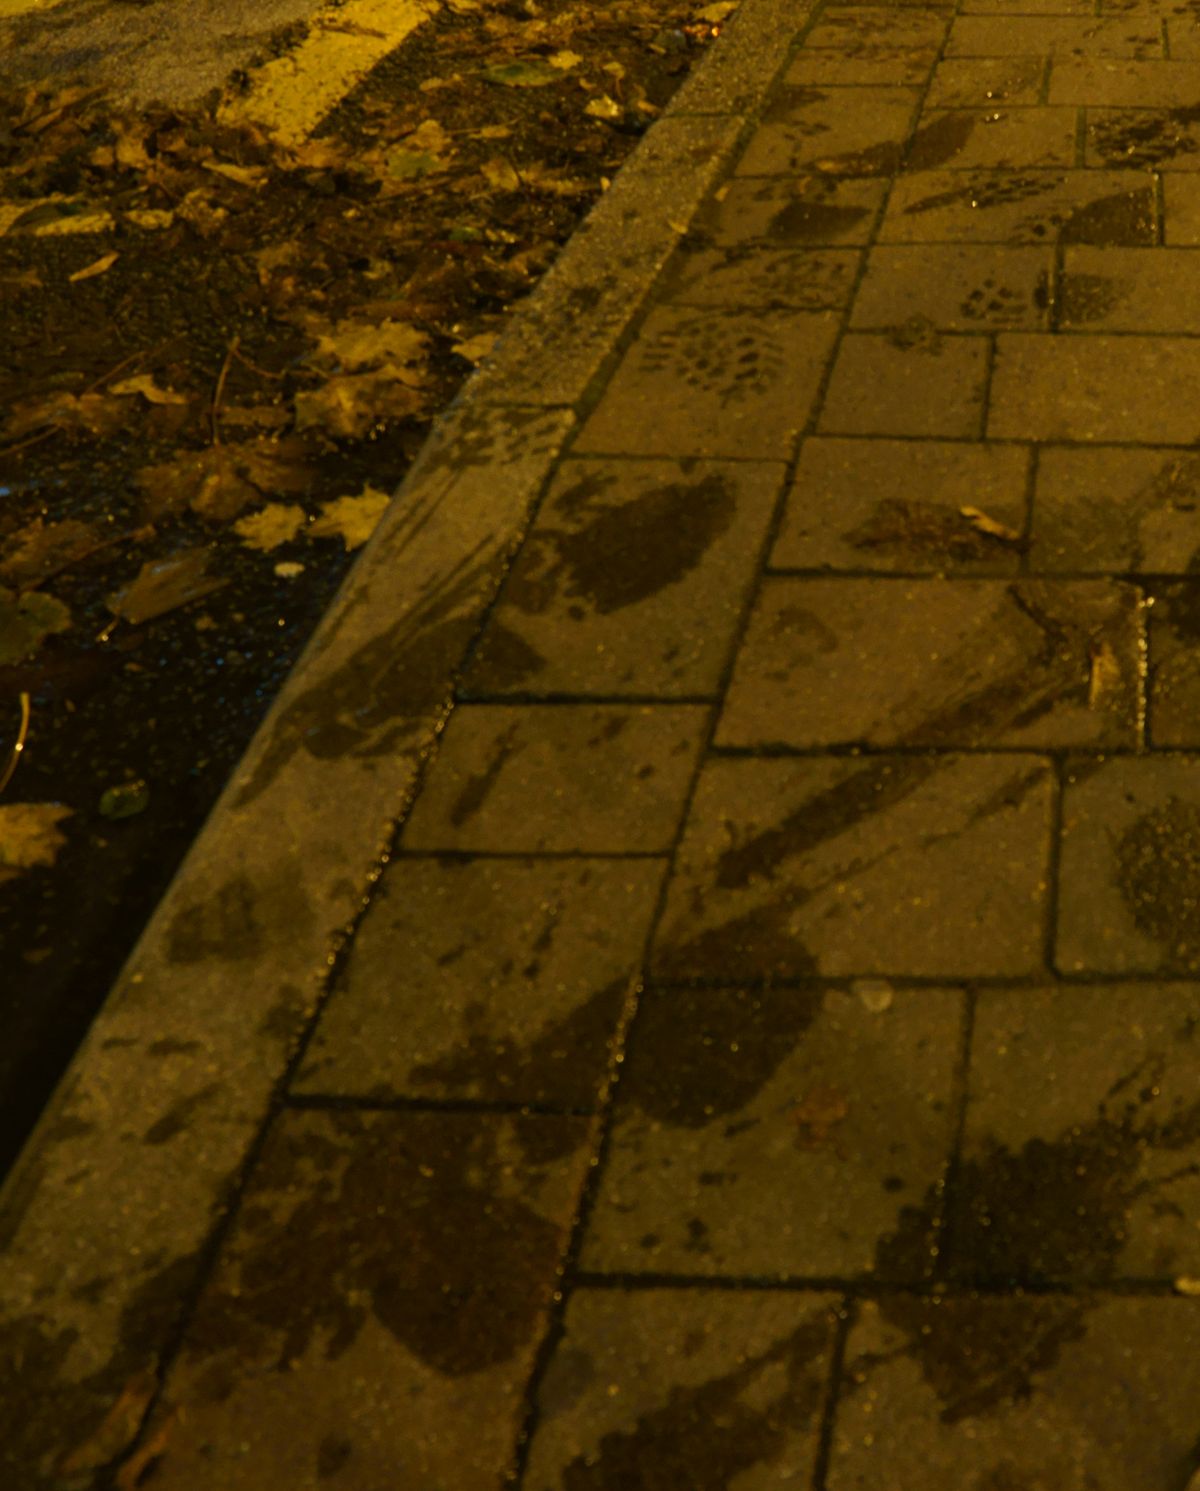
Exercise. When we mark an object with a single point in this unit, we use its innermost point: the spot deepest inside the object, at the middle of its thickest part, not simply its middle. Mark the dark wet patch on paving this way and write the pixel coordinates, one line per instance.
(237, 919)
(926, 530)
(461, 1285)
(1088, 297)
(698, 1054)
(705, 1436)
(1143, 137)
(1158, 873)
(615, 554)
(938, 142)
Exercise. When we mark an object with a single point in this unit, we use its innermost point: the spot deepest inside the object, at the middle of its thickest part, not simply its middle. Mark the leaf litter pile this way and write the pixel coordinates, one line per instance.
(207, 396)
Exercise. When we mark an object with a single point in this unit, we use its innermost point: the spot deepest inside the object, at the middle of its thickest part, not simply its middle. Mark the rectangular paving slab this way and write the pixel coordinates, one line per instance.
(1069, 1391)
(837, 662)
(911, 380)
(1173, 683)
(777, 1132)
(712, 382)
(683, 1388)
(1081, 1149)
(780, 210)
(959, 287)
(1027, 35)
(573, 778)
(811, 129)
(982, 82)
(492, 980)
(906, 505)
(861, 865)
(1128, 289)
(632, 580)
(386, 1281)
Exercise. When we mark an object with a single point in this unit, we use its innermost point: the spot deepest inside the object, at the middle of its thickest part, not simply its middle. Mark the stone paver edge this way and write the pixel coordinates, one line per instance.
(107, 1220)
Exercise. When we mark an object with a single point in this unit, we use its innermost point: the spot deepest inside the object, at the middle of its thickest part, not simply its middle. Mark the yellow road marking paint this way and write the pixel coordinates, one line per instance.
(290, 95)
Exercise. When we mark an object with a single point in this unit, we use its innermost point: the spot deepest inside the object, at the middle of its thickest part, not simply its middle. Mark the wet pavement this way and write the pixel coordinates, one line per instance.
(769, 1053)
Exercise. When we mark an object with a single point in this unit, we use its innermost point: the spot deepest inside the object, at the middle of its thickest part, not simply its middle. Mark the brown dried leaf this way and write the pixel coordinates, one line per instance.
(353, 519)
(1105, 674)
(350, 405)
(89, 413)
(357, 345)
(219, 482)
(990, 526)
(163, 585)
(40, 548)
(271, 526)
(90, 271)
(30, 837)
(145, 385)
(243, 175)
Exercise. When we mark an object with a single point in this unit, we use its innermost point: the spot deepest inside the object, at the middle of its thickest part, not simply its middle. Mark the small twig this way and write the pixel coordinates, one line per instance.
(42, 434)
(22, 733)
(125, 362)
(135, 535)
(253, 366)
(219, 391)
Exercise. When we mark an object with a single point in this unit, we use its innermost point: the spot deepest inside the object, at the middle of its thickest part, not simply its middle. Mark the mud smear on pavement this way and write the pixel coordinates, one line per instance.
(207, 379)
(461, 1285)
(566, 1062)
(924, 530)
(477, 787)
(701, 1054)
(1145, 137)
(1158, 873)
(707, 1437)
(1053, 1211)
(1089, 297)
(803, 221)
(1125, 219)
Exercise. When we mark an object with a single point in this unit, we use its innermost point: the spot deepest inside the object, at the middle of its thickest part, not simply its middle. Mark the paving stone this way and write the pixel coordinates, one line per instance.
(860, 866)
(955, 287)
(751, 276)
(1174, 672)
(992, 138)
(976, 82)
(575, 778)
(1129, 289)
(854, 27)
(808, 129)
(1107, 510)
(1144, 390)
(1129, 874)
(1081, 1150)
(683, 1388)
(1027, 7)
(491, 980)
(879, 63)
(1150, 139)
(1066, 1391)
(709, 382)
(911, 381)
(1054, 35)
(898, 505)
(1181, 208)
(778, 1132)
(1014, 206)
(1183, 36)
(808, 210)
(889, 662)
(385, 1285)
(632, 580)
(1121, 83)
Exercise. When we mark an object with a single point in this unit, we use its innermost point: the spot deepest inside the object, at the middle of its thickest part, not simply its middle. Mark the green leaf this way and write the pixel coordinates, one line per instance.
(25, 621)
(533, 74)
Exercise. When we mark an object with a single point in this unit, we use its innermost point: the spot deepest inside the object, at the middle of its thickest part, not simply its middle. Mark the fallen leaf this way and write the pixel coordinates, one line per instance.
(500, 175)
(715, 14)
(288, 569)
(1187, 1285)
(91, 413)
(353, 519)
(106, 261)
(117, 1429)
(425, 150)
(357, 345)
(273, 525)
(133, 1473)
(493, 132)
(125, 800)
(26, 621)
(554, 183)
(145, 385)
(476, 348)
(12, 282)
(564, 60)
(129, 149)
(1105, 674)
(29, 836)
(257, 416)
(614, 69)
(603, 107)
(39, 548)
(349, 405)
(243, 175)
(989, 526)
(201, 213)
(163, 585)
(220, 481)
(531, 74)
